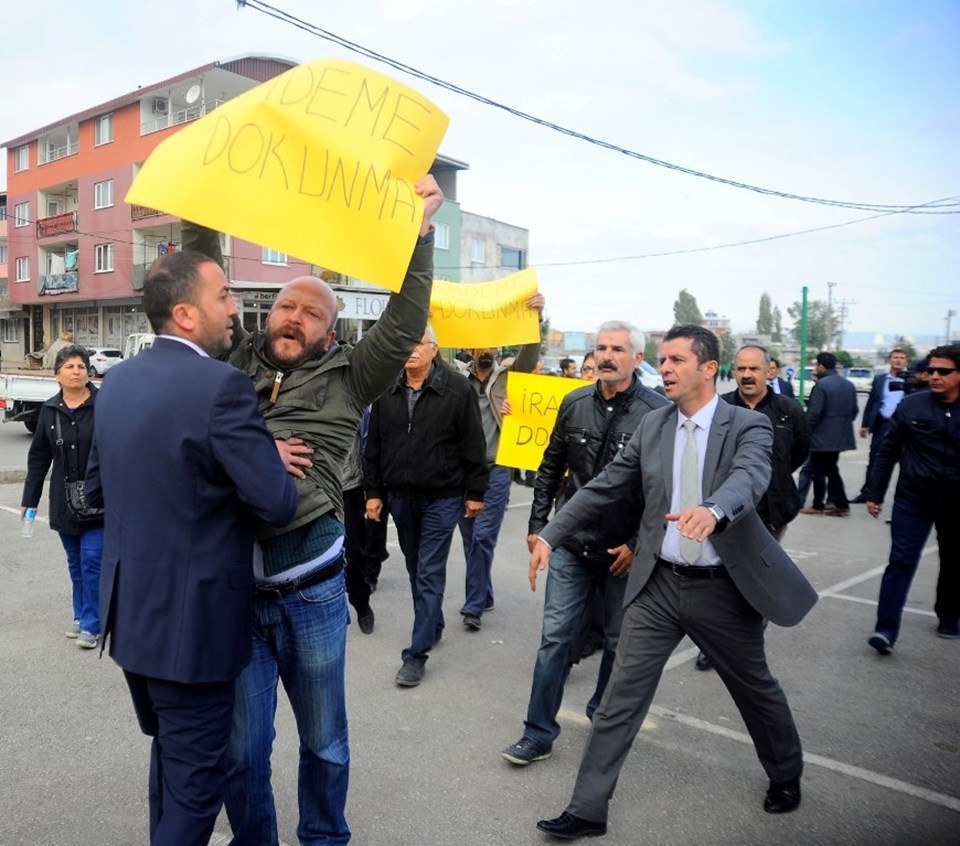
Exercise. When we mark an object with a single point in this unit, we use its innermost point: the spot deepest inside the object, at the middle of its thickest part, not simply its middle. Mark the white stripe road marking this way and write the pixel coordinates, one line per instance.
(878, 779)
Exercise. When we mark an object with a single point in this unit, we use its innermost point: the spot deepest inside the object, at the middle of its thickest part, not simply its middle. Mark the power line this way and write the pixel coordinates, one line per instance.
(286, 17)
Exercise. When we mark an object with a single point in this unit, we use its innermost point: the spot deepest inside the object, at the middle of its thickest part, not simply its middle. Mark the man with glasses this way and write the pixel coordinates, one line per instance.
(924, 436)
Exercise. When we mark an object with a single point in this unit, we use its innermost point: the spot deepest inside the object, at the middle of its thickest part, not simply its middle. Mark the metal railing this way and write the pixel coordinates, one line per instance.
(58, 224)
(51, 154)
(159, 122)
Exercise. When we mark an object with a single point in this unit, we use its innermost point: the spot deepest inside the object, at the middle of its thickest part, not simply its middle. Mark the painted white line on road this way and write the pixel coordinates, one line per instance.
(16, 512)
(878, 779)
(874, 603)
(869, 574)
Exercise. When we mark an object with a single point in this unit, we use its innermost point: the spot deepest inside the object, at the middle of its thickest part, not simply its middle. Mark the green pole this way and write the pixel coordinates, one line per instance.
(803, 342)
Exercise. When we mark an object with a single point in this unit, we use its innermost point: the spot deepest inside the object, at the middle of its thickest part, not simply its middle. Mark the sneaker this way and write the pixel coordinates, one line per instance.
(411, 673)
(489, 606)
(86, 640)
(949, 630)
(882, 643)
(471, 621)
(74, 630)
(526, 751)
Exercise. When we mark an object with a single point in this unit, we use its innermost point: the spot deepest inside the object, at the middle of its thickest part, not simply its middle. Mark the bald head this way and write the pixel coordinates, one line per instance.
(300, 324)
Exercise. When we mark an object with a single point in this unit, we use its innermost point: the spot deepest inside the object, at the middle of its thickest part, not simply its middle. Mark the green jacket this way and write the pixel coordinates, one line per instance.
(322, 401)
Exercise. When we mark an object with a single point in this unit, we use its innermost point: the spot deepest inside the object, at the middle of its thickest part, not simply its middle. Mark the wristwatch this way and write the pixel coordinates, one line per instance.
(716, 511)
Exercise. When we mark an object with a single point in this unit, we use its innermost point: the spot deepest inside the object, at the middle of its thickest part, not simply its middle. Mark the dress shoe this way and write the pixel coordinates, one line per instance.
(782, 797)
(365, 621)
(569, 827)
(472, 622)
(837, 512)
(703, 662)
(859, 499)
(949, 629)
(811, 510)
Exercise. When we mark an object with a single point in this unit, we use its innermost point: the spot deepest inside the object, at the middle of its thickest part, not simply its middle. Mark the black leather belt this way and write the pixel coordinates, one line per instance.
(691, 571)
(281, 589)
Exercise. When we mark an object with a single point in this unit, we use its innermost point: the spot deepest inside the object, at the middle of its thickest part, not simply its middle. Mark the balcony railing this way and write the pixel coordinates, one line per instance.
(175, 118)
(59, 283)
(58, 224)
(51, 154)
(143, 212)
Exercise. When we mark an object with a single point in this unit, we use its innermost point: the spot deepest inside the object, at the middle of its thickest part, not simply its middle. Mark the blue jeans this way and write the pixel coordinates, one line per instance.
(570, 586)
(300, 639)
(84, 554)
(910, 524)
(425, 532)
(480, 541)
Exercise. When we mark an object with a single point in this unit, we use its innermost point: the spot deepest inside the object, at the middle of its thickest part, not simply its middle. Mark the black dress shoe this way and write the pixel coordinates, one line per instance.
(569, 827)
(703, 662)
(859, 499)
(366, 621)
(782, 797)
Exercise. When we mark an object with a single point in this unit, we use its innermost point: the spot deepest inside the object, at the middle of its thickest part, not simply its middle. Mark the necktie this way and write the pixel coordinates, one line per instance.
(689, 488)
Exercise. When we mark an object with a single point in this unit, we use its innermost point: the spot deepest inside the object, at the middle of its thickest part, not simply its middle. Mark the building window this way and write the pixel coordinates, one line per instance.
(11, 331)
(3, 212)
(3, 253)
(103, 194)
(476, 251)
(21, 214)
(103, 130)
(512, 258)
(104, 258)
(441, 237)
(23, 269)
(269, 256)
(21, 158)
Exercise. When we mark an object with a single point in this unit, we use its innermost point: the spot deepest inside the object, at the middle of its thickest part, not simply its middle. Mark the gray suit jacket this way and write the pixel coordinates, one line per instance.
(735, 475)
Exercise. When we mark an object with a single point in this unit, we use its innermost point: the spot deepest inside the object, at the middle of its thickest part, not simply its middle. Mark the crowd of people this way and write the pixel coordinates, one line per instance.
(268, 463)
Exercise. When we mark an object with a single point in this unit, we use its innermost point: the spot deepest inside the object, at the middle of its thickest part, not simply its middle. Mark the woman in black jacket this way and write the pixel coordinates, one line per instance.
(83, 542)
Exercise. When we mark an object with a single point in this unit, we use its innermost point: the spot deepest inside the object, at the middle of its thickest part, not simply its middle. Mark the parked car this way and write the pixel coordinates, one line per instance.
(102, 359)
(650, 377)
(862, 378)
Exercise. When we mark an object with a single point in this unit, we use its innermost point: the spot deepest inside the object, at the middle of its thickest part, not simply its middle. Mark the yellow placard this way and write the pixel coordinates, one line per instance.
(474, 315)
(319, 163)
(534, 403)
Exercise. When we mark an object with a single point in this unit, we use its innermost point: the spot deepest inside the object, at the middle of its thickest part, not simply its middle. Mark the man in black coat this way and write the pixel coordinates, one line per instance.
(830, 415)
(774, 381)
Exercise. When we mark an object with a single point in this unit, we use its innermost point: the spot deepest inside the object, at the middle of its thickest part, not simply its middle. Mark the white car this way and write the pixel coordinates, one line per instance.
(862, 378)
(102, 359)
(649, 377)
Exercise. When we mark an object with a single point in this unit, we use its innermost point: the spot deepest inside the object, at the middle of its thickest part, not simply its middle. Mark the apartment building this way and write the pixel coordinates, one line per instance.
(77, 253)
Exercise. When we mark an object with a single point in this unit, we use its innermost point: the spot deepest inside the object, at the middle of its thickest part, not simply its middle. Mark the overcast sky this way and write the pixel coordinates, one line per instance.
(853, 100)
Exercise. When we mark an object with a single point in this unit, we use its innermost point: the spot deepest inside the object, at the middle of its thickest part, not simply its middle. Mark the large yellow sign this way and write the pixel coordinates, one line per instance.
(319, 163)
(474, 315)
(534, 403)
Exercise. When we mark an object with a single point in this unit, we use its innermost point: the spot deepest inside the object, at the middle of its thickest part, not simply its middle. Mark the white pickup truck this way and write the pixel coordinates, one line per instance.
(21, 396)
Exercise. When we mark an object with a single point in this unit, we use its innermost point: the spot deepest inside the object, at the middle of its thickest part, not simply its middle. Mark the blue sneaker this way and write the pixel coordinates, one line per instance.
(526, 751)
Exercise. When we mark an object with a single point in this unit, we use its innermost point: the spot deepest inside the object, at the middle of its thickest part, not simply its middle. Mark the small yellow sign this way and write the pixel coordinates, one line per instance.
(319, 163)
(474, 315)
(534, 403)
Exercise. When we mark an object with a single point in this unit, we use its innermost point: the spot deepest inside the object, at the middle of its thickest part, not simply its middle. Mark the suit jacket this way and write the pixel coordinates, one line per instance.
(183, 462)
(871, 411)
(736, 473)
(831, 412)
(786, 388)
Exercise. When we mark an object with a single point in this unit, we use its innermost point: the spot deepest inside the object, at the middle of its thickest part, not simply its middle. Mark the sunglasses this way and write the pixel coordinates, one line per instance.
(940, 371)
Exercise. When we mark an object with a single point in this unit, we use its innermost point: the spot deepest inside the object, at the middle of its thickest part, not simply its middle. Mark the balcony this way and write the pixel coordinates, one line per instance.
(59, 283)
(51, 153)
(58, 224)
(195, 112)
(143, 212)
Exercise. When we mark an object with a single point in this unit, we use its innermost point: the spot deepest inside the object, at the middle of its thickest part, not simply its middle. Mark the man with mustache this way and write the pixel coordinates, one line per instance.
(593, 425)
(791, 443)
(312, 391)
(480, 534)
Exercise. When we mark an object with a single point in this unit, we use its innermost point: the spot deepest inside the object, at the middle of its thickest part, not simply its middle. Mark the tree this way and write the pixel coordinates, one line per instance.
(651, 352)
(686, 311)
(903, 344)
(844, 359)
(820, 322)
(777, 334)
(765, 317)
(728, 348)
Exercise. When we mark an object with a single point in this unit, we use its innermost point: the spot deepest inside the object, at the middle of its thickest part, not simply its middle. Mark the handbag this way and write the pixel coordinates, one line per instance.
(80, 511)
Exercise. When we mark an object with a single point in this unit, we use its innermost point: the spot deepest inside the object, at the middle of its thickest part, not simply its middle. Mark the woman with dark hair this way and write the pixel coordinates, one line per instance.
(63, 437)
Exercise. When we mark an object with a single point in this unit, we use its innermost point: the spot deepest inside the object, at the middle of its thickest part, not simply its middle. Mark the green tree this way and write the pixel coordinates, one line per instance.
(906, 346)
(685, 309)
(821, 321)
(651, 353)
(777, 334)
(728, 348)
(765, 317)
(844, 359)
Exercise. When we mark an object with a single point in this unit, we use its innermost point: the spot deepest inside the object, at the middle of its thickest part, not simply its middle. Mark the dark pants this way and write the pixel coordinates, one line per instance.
(190, 727)
(355, 528)
(720, 621)
(910, 525)
(826, 480)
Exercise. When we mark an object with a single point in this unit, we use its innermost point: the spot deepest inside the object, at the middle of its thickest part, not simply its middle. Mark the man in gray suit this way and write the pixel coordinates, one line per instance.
(705, 566)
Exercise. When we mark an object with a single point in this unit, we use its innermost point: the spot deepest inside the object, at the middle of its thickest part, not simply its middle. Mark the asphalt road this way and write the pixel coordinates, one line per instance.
(881, 735)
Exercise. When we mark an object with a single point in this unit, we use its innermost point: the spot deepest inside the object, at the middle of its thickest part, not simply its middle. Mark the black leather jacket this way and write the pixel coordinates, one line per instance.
(589, 433)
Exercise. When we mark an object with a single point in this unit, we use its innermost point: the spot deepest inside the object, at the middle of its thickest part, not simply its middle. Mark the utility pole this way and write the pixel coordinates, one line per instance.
(830, 287)
(843, 320)
(950, 313)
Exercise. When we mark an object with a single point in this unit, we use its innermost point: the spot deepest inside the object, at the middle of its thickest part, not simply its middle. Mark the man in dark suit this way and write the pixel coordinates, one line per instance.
(830, 415)
(183, 462)
(704, 566)
(777, 384)
(885, 395)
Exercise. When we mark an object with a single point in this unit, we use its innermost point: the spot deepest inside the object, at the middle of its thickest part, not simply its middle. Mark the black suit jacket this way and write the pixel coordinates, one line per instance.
(183, 462)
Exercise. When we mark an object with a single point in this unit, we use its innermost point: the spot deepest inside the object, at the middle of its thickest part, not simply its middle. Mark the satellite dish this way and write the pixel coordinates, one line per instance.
(193, 94)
